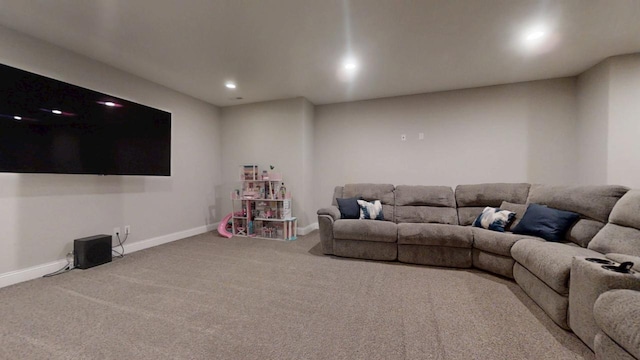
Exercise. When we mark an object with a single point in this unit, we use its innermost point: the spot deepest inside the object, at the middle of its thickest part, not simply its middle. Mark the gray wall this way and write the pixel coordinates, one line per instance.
(308, 214)
(593, 115)
(270, 133)
(41, 214)
(609, 127)
(624, 121)
(510, 133)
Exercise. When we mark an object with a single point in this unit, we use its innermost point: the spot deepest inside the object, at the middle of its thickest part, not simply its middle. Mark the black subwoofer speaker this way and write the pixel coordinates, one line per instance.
(91, 251)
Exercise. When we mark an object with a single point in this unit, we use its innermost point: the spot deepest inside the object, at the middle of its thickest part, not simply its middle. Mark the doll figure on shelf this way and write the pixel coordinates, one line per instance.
(283, 191)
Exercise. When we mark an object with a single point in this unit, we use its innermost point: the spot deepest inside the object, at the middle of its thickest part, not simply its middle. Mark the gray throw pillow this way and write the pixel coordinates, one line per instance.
(518, 209)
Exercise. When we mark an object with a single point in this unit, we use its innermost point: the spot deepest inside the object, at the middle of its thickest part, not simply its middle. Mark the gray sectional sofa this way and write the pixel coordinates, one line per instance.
(431, 225)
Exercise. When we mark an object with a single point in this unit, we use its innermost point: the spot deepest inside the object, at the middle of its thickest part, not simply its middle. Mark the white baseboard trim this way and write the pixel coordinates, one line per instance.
(34, 272)
(145, 244)
(307, 229)
(30, 273)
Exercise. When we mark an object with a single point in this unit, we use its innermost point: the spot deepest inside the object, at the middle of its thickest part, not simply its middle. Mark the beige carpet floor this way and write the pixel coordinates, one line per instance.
(208, 297)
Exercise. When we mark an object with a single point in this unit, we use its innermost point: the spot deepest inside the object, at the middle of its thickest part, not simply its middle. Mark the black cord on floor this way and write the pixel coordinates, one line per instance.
(65, 269)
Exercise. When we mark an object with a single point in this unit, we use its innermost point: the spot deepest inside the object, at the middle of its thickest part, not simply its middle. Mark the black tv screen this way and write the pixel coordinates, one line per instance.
(49, 126)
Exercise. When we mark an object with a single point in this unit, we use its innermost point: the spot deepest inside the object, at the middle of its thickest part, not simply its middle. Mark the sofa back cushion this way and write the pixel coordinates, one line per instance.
(370, 192)
(593, 203)
(472, 199)
(425, 204)
(337, 194)
(622, 233)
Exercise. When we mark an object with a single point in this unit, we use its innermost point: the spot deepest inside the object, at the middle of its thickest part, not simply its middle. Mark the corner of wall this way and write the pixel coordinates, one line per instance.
(623, 127)
(593, 97)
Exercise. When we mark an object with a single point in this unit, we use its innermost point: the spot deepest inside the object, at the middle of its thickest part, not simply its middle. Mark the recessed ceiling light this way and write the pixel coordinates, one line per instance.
(17, 117)
(350, 64)
(535, 37)
(57, 112)
(109, 104)
(230, 85)
(348, 69)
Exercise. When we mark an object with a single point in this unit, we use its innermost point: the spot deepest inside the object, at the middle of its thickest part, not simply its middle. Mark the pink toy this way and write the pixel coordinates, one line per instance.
(222, 227)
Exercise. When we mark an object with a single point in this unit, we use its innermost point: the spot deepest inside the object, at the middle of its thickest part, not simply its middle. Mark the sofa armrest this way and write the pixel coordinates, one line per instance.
(620, 258)
(588, 281)
(332, 211)
(326, 218)
(617, 312)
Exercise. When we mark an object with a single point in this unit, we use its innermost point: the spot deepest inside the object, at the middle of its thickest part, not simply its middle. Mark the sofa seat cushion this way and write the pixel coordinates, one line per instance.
(496, 242)
(366, 230)
(617, 313)
(549, 261)
(435, 235)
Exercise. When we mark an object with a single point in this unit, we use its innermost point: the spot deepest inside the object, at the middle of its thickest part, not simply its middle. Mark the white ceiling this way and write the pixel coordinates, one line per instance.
(278, 49)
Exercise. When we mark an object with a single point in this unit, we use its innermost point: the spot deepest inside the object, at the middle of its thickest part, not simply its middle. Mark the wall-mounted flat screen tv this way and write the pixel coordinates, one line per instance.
(49, 126)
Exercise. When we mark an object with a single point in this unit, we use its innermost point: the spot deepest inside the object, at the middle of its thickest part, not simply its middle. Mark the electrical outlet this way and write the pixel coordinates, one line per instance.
(116, 232)
(403, 137)
(420, 136)
(127, 229)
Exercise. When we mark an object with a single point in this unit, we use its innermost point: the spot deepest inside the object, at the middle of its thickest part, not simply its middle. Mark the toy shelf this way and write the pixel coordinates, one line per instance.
(262, 208)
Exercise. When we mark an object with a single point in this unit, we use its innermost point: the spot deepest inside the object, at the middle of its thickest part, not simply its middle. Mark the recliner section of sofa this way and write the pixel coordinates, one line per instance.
(491, 249)
(428, 231)
(542, 269)
(372, 240)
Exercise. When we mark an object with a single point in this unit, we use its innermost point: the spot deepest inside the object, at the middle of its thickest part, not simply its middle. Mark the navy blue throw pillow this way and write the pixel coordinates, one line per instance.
(349, 208)
(547, 223)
